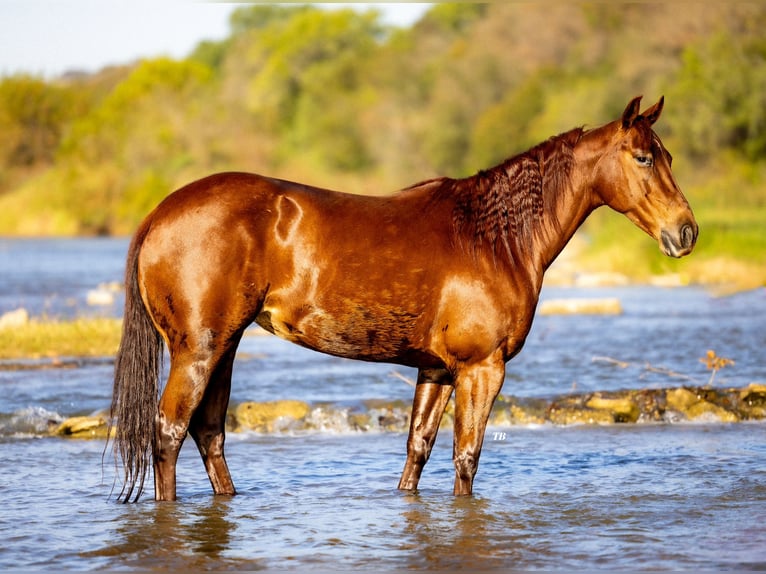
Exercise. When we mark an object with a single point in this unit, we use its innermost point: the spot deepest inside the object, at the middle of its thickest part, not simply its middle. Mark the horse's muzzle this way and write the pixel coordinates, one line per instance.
(681, 242)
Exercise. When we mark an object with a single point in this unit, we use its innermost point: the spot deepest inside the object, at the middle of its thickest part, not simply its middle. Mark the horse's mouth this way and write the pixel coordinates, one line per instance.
(680, 244)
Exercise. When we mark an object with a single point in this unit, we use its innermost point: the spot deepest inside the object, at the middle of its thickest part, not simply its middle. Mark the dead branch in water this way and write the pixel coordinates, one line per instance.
(401, 377)
(648, 367)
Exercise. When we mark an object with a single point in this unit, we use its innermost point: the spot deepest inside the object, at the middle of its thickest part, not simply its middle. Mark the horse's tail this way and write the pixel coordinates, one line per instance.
(136, 382)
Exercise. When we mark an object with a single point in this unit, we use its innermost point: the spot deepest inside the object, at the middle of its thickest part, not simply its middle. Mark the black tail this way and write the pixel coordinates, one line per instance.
(136, 382)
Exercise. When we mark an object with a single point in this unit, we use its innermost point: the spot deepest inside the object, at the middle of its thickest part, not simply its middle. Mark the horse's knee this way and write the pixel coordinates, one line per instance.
(418, 449)
(466, 466)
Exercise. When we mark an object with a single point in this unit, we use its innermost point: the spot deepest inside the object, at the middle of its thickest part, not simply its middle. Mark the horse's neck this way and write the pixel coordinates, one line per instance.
(574, 204)
(526, 210)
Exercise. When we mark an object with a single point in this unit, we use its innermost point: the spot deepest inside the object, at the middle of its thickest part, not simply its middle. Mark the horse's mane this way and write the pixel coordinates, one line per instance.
(504, 206)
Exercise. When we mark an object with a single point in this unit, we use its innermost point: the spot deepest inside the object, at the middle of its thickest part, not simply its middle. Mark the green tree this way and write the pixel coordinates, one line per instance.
(453, 17)
(33, 114)
(260, 16)
(722, 85)
(312, 83)
(124, 156)
(503, 129)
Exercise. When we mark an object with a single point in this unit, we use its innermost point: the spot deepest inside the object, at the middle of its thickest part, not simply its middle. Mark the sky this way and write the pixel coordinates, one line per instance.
(50, 37)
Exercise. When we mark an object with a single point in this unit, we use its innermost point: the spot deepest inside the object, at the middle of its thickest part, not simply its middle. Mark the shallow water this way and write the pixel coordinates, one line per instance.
(639, 497)
(656, 497)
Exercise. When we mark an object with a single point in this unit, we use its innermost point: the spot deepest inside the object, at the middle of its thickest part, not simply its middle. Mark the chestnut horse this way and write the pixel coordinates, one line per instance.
(443, 276)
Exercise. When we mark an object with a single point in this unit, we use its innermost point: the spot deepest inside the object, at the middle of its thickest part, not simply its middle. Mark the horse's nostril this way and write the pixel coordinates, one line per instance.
(687, 235)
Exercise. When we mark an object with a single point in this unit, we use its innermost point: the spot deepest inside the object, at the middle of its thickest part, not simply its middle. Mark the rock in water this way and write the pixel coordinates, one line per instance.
(83, 427)
(264, 417)
(13, 319)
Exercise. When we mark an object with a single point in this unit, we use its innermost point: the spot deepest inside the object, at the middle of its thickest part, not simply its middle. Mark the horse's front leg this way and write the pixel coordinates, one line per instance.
(432, 393)
(476, 387)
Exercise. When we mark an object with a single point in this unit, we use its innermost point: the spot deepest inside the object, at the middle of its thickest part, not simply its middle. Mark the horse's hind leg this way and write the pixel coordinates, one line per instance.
(174, 413)
(432, 393)
(192, 366)
(208, 425)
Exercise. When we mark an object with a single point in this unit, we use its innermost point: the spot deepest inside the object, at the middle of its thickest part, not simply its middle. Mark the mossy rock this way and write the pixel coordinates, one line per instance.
(83, 427)
(512, 411)
(707, 410)
(753, 401)
(622, 408)
(265, 416)
(693, 407)
(574, 416)
(524, 416)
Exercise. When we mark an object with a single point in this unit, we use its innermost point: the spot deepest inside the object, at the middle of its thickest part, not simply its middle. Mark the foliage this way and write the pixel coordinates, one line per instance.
(310, 81)
(336, 98)
(33, 115)
(727, 79)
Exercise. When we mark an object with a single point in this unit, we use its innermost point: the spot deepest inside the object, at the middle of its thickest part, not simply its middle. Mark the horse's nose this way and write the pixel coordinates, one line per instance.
(680, 242)
(688, 235)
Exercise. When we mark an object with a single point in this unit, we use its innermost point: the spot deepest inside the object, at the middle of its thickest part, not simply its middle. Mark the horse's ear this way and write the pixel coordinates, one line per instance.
(631, 113)
(653, 113)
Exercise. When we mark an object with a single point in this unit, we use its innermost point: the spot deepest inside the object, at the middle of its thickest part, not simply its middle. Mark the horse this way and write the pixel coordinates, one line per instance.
(443, 276)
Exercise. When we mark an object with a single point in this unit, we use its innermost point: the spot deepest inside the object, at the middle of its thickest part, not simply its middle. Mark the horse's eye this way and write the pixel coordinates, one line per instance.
(645, 160)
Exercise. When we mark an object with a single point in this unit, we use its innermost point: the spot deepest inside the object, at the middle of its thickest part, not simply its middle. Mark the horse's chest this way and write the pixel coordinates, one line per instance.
(474, 319)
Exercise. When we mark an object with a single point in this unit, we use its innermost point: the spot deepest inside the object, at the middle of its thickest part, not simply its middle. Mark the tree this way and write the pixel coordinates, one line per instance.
(32, 118)
(722, 84)
(312, 83)
(124, 156)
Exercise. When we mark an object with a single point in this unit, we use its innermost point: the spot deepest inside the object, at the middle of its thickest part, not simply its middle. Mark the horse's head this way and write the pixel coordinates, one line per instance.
(634, 177)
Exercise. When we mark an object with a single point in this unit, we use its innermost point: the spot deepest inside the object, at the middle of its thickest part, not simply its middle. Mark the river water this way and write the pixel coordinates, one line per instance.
(682, 496)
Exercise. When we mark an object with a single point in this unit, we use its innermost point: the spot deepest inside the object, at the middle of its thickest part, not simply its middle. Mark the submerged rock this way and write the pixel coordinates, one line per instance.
(695, 406)
(622, 408)
(753, 398)
(103, 295)
(563, 415)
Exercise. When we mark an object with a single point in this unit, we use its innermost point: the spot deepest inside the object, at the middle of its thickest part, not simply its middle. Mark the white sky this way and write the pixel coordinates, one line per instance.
(50, 37)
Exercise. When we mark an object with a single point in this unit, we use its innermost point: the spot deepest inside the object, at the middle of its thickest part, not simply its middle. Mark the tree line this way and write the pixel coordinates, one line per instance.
(338, 99)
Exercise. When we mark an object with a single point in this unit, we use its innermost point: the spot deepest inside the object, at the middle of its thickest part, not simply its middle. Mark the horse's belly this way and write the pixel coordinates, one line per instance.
(387, 335)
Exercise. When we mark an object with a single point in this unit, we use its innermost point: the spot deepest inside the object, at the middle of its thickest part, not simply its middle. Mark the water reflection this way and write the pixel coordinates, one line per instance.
(448, 533)
(193, 535)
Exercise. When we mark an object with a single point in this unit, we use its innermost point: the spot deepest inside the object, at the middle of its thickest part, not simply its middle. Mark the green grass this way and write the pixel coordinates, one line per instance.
(51, 339)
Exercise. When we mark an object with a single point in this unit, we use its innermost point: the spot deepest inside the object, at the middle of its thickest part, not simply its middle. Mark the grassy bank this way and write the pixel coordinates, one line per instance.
(40, 339)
